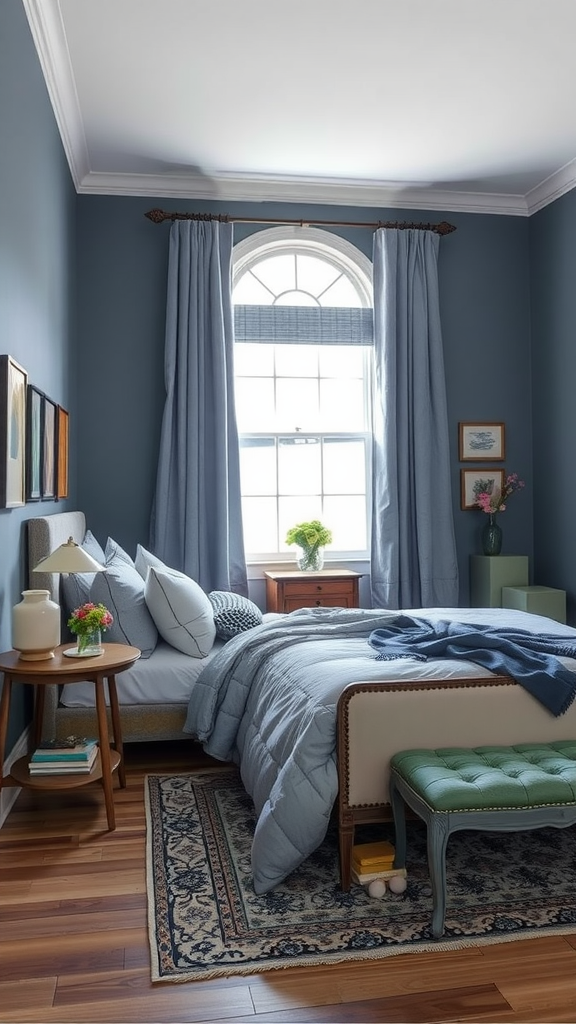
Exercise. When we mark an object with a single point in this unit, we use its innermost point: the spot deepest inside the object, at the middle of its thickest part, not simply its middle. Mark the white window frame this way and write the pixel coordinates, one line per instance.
(343, 256)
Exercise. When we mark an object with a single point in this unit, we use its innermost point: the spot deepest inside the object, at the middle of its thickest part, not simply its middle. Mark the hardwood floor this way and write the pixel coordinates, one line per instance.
(74, 942)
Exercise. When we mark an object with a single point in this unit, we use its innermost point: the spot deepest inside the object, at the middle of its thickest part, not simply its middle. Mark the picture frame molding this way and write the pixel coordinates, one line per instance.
(63, 450)
(496, 451)
(49, 451)
(13, 385)
(34, 442)
(467, 479)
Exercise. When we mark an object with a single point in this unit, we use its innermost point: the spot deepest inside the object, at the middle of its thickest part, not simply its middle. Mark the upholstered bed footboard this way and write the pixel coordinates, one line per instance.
(376, 720)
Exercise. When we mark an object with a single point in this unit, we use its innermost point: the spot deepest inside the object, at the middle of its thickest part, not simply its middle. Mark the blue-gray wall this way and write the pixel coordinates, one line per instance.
(553, 308)
(37, 210)
(122, 266)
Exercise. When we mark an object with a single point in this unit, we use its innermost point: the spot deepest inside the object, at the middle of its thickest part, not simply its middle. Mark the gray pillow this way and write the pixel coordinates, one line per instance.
(75, 586)
(233, 613)
(121, 590)
(145, 560)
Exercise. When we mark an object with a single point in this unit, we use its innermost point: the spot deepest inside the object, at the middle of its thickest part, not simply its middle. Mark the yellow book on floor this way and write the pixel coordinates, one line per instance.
(367, 854)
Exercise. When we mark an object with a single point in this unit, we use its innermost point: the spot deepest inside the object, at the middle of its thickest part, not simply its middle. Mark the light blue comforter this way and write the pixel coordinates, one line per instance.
(267, 701)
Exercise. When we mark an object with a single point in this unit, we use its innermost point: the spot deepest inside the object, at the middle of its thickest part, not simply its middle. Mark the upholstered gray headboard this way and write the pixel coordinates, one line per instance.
(44, 535)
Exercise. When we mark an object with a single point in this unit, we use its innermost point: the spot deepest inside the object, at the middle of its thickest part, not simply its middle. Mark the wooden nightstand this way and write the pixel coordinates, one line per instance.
(61, 669)
(329, 588)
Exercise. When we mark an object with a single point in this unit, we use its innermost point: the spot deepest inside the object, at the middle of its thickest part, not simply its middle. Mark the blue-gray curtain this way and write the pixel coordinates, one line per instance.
(413, 549)
(197, 520)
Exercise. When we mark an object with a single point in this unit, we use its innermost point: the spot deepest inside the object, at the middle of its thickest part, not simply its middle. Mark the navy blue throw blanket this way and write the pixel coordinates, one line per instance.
(530, 659)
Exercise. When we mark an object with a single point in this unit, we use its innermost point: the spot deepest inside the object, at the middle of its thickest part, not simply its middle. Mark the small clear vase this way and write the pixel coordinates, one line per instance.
(90, 644)
(310, 559)
(491, 536)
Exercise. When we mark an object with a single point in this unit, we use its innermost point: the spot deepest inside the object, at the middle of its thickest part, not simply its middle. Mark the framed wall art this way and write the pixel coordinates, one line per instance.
(49, 449)
(34, 420)
(473, 481)
(13, 382)
(62, 460)
(481, 442)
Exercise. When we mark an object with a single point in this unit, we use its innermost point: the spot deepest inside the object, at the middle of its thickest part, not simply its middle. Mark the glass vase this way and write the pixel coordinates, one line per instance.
(90, 644)
(491, 536)
(310, 559)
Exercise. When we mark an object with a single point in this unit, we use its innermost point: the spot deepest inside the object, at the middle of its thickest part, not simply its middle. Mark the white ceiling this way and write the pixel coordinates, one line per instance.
(437, 104)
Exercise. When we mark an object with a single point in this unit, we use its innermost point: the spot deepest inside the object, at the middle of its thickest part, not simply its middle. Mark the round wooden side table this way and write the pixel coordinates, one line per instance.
(63, 669)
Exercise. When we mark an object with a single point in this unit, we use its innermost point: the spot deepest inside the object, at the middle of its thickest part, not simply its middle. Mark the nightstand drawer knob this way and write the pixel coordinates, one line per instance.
(318, 604)
(319, 588)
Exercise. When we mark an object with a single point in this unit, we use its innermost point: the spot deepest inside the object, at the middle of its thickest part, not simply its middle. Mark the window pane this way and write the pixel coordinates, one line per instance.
(253, 360)
(314, 275)
(258, 465)
(346, 517)
(296, 359)
(341, 293)
(249, 292)
(295, 299)
(277, 272)
(299, 465)
(340, 360)
(254, 404)
(260, 524)
(297, 404)
(344, 466)
(342, 405)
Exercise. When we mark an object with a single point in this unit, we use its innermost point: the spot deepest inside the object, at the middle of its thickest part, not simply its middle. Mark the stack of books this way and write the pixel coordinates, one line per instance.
(374, 860)
(73, 759)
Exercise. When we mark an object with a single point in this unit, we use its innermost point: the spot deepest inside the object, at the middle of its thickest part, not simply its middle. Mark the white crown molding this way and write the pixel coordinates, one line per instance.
(552, 188)
(259, 188)
(47, 28)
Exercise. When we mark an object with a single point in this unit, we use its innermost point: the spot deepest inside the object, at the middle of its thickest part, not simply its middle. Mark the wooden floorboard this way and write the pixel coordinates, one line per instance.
(74, 940)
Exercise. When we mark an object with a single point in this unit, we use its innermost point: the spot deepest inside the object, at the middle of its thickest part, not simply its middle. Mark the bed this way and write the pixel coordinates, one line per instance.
(153, 694)
(314, 737)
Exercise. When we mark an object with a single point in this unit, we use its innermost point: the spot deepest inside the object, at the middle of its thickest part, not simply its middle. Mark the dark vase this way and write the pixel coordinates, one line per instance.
(491, 536)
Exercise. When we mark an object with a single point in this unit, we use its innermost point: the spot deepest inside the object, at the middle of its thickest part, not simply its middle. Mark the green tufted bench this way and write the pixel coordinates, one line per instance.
(499, 789)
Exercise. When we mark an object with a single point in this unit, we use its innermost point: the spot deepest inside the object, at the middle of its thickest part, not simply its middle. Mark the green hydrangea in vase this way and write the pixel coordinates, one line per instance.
(493, 500)
(311, 538)
(88, 622)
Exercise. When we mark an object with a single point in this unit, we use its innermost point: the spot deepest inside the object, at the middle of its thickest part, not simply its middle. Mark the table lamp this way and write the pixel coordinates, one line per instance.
(36, 619)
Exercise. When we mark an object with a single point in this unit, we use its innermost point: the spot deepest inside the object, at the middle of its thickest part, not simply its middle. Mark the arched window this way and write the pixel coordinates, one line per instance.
(303, 325)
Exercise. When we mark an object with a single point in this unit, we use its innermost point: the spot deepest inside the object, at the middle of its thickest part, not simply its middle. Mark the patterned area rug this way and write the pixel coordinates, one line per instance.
(205, 919)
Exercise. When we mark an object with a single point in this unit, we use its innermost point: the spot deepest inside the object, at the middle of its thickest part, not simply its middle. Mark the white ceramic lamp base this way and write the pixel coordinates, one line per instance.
(35, 626)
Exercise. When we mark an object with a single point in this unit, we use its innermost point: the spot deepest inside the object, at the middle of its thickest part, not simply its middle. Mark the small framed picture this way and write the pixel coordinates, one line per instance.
(62, 462)
(34, 413)
(474, 481)
(481, 442)
(49, 449)
(13, 382)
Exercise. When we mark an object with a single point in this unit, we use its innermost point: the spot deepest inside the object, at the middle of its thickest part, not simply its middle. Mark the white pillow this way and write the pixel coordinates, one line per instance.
(181, 611)
(145, 559)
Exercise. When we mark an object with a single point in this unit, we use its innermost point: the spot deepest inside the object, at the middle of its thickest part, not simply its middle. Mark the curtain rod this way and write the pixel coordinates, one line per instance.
(159, 216)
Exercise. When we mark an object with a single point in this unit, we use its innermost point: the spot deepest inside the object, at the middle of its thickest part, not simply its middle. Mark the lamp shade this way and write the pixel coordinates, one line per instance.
(69, 557)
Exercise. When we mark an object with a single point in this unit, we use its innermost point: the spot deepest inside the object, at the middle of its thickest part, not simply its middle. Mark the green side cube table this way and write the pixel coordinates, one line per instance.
(538, 600)
(490, 573)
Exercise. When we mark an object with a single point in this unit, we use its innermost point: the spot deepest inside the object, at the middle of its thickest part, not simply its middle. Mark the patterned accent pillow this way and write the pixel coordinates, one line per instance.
(233, 613)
